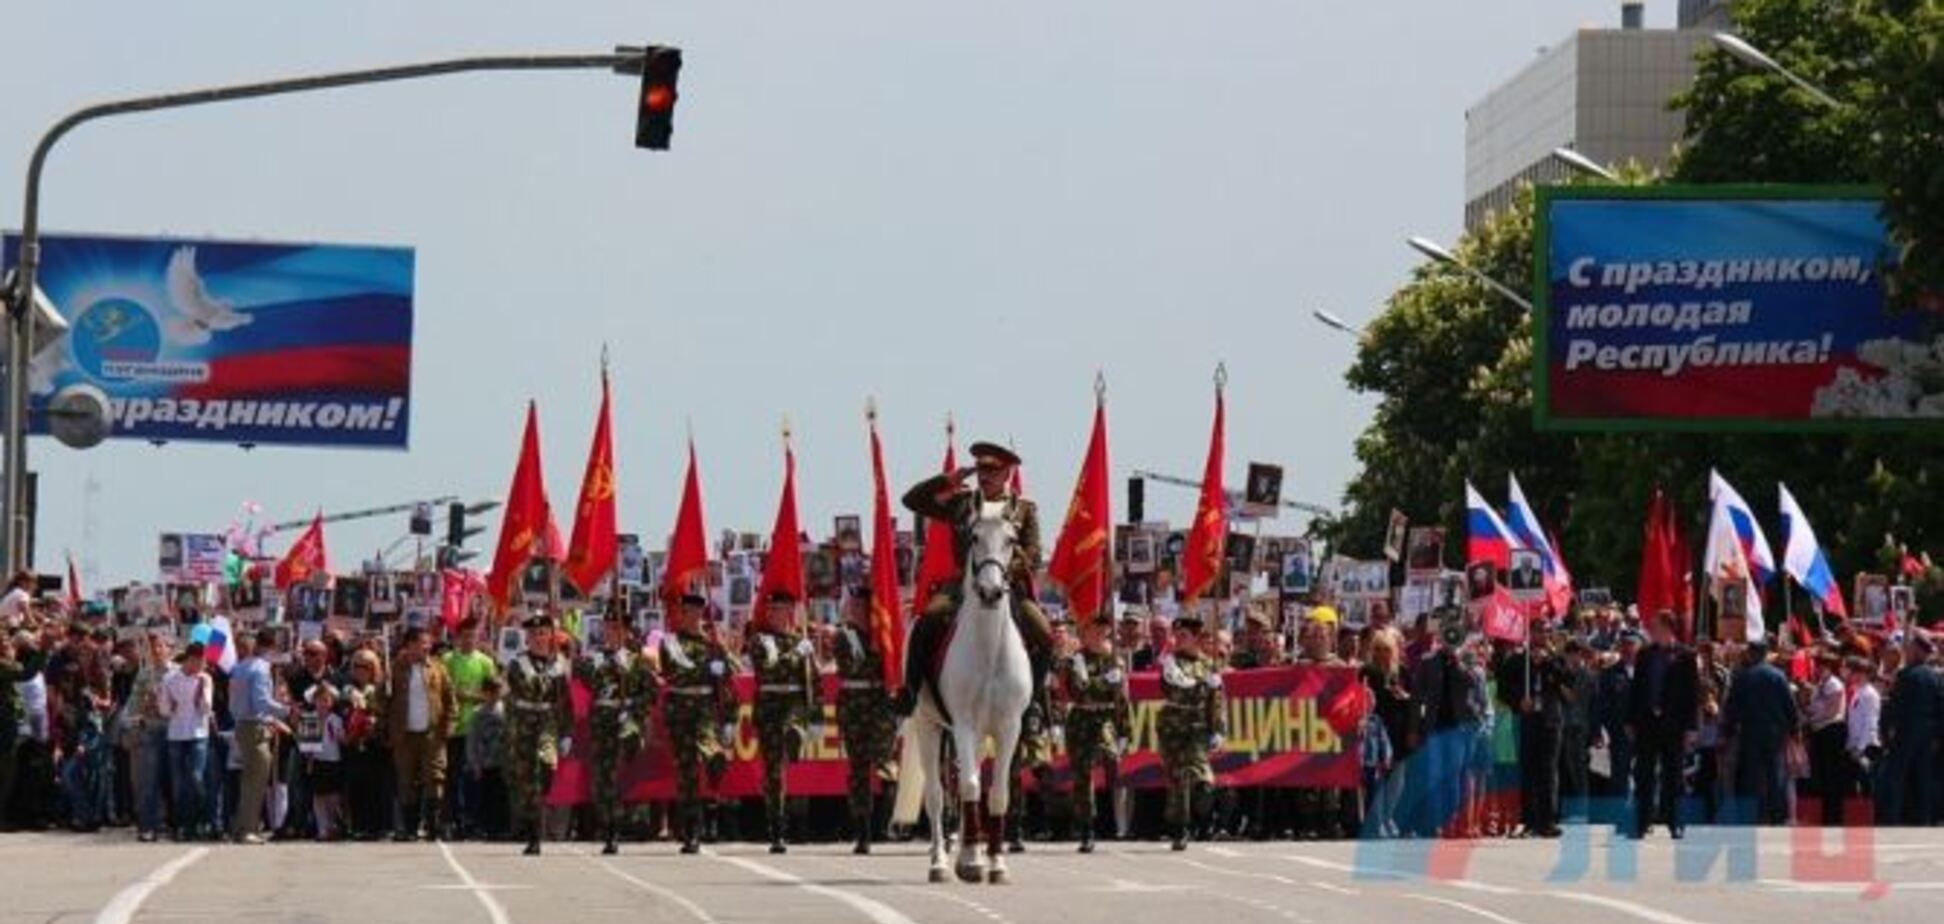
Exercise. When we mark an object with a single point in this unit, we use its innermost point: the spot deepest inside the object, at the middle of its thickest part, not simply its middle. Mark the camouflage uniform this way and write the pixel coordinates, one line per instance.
(23, 667)
(623, 696)
(1192, 714)
(537, 708)
(698, 699)
(1097, 716)
(788, 700)
(864, 716)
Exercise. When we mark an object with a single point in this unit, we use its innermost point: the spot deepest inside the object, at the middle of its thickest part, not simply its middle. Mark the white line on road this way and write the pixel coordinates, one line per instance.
(1270, 877)
(1622, 905)
(1330, 887)
(1472, 885)
(649, 887)
(1461, 906)
(121, 909)
(941, 894)
(494, 910)
(872, 908)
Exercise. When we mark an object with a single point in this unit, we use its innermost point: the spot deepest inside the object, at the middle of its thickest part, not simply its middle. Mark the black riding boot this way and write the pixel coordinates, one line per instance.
(862, 821)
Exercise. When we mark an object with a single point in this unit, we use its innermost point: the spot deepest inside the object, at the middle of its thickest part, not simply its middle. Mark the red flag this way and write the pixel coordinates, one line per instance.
(1202, 562)
(886, 626)
(783, 569)
(1080, 557)
(1664, 556)
(73, 586)
(1503, 617)
(592, 553)
(940, 563)
(527, 525)
(305, 558)
(688, 545)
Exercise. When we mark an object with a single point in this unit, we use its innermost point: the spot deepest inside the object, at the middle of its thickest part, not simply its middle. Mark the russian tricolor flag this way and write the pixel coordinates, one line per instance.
(1803, 558)
(1737, 548)
(1524, 522)
(1487, 538)
(219, 646)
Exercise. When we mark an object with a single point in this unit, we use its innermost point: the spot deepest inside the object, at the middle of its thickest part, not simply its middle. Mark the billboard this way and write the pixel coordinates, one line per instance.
(1724, 308)
(229, 341)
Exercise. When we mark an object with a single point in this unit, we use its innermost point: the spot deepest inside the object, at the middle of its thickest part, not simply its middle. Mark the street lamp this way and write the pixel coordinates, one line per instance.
(1754, 57)
(1438, 253)
(1584, 164)
(1328, 319)
(20, 299)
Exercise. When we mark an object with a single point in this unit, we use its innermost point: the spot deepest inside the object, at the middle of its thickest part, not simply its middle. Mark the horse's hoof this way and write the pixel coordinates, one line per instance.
(971, 875)
(998, 877)
(937, 875)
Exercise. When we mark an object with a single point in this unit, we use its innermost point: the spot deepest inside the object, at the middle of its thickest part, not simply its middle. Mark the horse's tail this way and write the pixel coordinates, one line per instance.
(911, 776)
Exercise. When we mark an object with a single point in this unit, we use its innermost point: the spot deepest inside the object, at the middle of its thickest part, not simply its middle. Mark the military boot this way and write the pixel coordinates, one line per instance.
(862, 821)
(776, 828)
(1180, 839)
(610, 848)
(1087, 839)
(533, 840)
(692, 829)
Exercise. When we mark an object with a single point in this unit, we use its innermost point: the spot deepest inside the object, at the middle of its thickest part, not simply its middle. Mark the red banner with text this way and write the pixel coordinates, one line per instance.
(1296, 726)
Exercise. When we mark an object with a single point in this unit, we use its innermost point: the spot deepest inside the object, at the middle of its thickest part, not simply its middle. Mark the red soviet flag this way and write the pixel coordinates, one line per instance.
(305, 558)
(73, 588)
(591, 554)
(940, 563)
(887, 629)
(783, 569)
(527, 516)
(688, 545)
(1208, 538)
(1080, 558)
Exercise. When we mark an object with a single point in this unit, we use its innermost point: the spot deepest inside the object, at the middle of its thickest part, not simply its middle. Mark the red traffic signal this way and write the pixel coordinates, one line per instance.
(655, 108)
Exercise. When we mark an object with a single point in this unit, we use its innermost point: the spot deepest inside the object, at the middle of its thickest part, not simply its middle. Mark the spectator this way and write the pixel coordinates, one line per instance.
(259, 719)
(469, 668)
(422, 710)
(1829, 763)
(1663, 712)
(188, 703)
(1864, 747)
(1761, 721)
(367, 757)
(326, 763)
(145, 726)
(483, 761)
(1907, 790)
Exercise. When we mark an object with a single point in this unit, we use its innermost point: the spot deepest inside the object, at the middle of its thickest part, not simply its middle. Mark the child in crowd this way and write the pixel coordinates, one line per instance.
(326, 756)
(484, 760)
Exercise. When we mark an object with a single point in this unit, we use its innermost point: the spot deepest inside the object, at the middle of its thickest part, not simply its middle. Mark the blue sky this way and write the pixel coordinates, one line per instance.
(964, 208)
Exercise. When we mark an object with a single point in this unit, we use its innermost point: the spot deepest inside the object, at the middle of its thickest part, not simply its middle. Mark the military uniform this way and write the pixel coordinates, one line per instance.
(864, 716)
(788, 699)
(938, 498)
(23, 667)
(537, 709)
(1191, 724)
(1098, 716)
(698, 702)
(623, 699)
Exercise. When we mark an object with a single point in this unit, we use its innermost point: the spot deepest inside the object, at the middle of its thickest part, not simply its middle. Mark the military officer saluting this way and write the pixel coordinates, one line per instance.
(1098, 717)
(789, 700)
(623, 691)
(864, 713)
(698, 708)
(940, 498)
(538, 712)
(1191, 725)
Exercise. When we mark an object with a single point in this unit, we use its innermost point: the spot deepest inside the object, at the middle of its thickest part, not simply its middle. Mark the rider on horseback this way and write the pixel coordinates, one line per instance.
(940, 498)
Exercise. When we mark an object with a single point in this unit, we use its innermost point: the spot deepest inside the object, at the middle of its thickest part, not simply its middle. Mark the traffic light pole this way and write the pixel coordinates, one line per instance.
(20, 316)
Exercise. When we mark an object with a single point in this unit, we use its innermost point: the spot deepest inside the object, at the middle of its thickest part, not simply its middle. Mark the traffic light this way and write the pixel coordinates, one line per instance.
(655, 108)
(456, 524)
(1136, 500)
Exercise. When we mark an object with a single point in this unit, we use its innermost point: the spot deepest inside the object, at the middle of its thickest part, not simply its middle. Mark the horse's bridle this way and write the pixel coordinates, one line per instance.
(979, 566)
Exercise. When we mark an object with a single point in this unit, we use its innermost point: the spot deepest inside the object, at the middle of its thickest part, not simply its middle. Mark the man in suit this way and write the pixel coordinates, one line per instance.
(1662, 708)
(1760, 721)
(1907, 791)
(1613, 686)
(423, 707)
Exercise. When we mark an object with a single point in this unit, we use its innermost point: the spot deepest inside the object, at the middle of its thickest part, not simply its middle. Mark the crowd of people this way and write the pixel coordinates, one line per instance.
(1604, 717)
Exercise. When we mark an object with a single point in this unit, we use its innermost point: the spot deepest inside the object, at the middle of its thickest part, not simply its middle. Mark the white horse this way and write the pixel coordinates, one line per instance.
(985, 683)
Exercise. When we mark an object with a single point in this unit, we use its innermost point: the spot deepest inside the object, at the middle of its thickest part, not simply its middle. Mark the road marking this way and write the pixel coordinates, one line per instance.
(1461, 906)
(1116, 884)
(121, 908)
(1225, 853)
(1622, 905)
(1329, 887)
(1271, 877)
(494, 910)
(651, 888)
(941, 894)
(1472, 885)
(872, 908)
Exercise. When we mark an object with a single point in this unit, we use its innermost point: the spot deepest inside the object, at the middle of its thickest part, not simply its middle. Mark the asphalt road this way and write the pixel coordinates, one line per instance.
(112, 879)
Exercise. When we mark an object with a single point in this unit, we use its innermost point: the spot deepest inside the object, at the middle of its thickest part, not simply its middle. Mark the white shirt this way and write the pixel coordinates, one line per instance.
(1863, 713)
(186, 701)
(13, 606)
(33, 702)
(418, 708)
(1826, 707)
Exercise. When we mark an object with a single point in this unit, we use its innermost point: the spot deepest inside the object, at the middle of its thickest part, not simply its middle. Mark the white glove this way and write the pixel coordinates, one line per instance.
(1215, 742)
(1214, 681)
(1126, 747)
(717, 668)
(566, 745)
(806, 649)
(728, 733)
(816, 732)
(1058, 735)
(1114, 676)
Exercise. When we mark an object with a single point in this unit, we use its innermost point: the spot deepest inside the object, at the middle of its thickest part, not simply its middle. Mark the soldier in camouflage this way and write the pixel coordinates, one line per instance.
(537, 712)
(789, 701)
(1192, 722)
(623, 691)
(1098, 717)
(699, 708)
(863, 712)
(20, 660)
